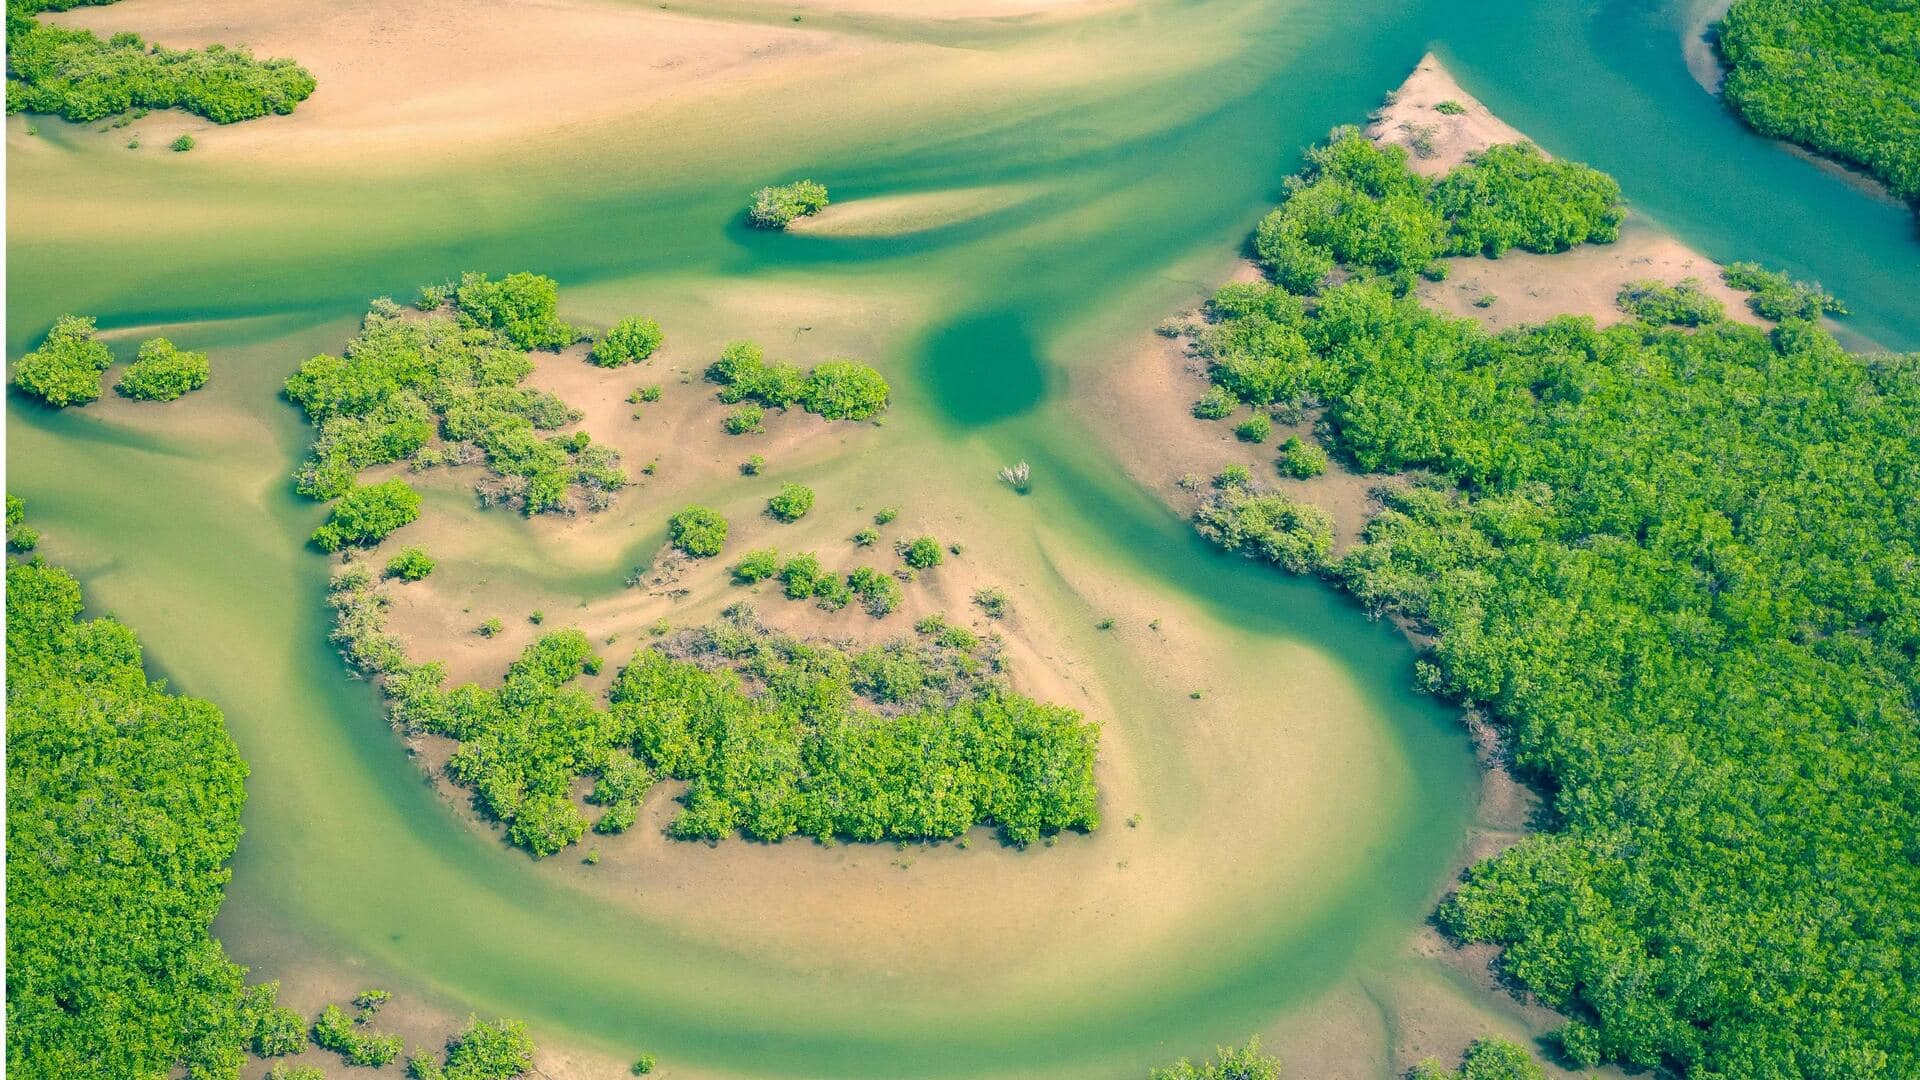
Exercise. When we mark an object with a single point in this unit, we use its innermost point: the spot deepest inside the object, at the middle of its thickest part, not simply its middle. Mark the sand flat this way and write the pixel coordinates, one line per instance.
(455, 70)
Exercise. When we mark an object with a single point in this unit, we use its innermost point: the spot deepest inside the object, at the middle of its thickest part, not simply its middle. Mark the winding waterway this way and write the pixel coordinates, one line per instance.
(1141, 190)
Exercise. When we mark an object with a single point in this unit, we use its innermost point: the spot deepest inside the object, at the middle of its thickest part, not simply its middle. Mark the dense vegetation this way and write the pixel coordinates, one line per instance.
(836, 390)
(65, 369)
(163, 372)
(1358, 206)
(777, 207)
(1839, 76)
(1228, 1063)
(123, 807)
(917, 738)
(73, 73)
(443, 388)
(1677, 566)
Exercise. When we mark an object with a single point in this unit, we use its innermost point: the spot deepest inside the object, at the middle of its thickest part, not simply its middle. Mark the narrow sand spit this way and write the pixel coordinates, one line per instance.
(898, 215)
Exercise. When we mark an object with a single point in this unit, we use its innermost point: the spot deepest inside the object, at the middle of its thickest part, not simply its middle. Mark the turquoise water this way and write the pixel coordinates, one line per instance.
(194, 536)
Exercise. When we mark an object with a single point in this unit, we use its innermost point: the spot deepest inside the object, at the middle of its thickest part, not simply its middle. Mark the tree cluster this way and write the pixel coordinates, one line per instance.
(1358, 206)
(75, 74)
(915, 739)
(1838, 76)
(444, 388)
(835, 390)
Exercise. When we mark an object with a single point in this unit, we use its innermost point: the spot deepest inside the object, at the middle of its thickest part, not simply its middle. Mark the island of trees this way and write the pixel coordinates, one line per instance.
(442, 387)
(1838, 76)
(918, 738)
(1674, 561)
(74, 74)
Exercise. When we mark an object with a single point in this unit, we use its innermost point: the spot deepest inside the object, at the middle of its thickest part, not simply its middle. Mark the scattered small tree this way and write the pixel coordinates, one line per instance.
(792, 503)
(921, 553)
(411, 564)
(699, 531)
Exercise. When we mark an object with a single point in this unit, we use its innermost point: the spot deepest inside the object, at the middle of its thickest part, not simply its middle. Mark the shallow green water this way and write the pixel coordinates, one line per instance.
(194, 538)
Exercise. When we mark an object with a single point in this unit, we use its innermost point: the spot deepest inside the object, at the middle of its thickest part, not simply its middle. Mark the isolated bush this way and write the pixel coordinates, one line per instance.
(699, 531)
(65, 369)
(792, 502)
(411, 564)
(630, 341)
(921, 553)
(777, 207)
(162, 372)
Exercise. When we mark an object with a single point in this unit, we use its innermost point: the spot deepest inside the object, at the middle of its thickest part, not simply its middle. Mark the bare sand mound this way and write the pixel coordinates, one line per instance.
(898, 215)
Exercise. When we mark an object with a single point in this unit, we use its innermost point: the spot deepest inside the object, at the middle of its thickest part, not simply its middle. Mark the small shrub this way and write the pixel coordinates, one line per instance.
(1104, 624)
(866, 537)
(1485, 300)
(756, 565)
(879, 593)
(993, 602)
(630, 341)
(1776, 296)
(182, 144)
(921, 553)
(1018, 476)
(777, 207)
(747, 419)
(699, 531)
(411, 564)
(1300, 459)
(645, 1064)
(1233, 476)
(792, 502)
(644, 394)
(490, 628)
(753, 466)
(802, 576)
(1450, 108)
(1257, 428)
(1669, 305)
(536, 616)
(1216, 404)
(886, 515)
